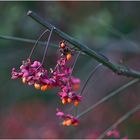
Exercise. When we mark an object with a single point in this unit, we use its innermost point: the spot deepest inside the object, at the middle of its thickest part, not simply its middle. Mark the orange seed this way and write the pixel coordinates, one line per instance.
(24, 80)
(69, 100)
(37, 86)
(62, 45)
(44, 87)
(64, 123)
(64, 101)
(68, 122)
(76, 103)
(76, 86)
(68, 56)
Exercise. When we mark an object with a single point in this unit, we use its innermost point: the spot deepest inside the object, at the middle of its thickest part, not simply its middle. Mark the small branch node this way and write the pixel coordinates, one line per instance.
(29, 12)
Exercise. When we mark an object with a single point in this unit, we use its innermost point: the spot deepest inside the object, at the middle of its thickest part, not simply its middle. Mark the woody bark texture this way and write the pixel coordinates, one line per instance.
(116, 68)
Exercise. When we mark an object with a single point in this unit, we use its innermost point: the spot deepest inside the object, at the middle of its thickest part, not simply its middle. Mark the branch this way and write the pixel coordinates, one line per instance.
(122, 88)
(20, 39)
(25, 40)
(119, 69)
(120, 120)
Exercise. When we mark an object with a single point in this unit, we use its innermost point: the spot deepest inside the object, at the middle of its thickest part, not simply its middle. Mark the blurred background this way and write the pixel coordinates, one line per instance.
(112, 28)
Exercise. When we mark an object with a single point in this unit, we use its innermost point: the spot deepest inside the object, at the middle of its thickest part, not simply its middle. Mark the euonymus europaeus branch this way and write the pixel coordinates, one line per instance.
(118, 69)
(110, 95)
(25, 40)
(120, 120)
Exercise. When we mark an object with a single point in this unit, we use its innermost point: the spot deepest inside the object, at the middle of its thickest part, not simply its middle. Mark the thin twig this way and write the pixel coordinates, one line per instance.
(25, 40)
(122, 88)
(120, 120)
(119, 69)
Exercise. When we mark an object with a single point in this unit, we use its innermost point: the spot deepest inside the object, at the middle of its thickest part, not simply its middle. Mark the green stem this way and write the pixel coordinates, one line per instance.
(119, 69)
(120, 120)
(25, 40)
(21, 39)
(122, 88)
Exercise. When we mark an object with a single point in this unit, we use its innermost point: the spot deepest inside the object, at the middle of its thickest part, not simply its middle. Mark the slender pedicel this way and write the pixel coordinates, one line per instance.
(90, 76)
(86, 82)
(37, 42)
(46, 48)
(75, 61)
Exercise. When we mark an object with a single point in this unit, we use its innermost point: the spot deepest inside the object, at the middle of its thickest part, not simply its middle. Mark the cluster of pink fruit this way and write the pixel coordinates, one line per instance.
(33, 73)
